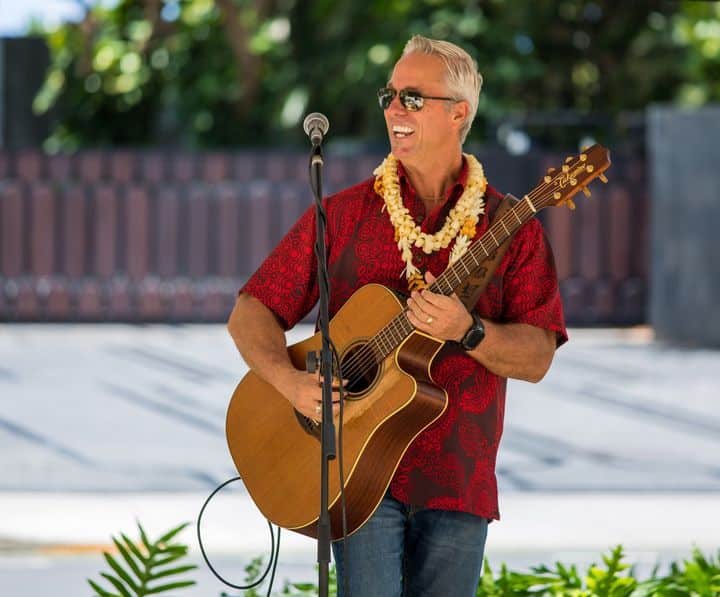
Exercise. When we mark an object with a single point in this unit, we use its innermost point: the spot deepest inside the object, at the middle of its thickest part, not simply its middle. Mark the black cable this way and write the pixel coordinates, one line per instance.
(274, 549)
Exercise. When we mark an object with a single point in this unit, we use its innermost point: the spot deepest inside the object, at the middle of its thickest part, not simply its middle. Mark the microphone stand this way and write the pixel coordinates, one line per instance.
(327, 431)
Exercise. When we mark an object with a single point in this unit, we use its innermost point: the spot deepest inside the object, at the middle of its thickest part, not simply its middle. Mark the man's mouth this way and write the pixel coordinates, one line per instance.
(400, 132)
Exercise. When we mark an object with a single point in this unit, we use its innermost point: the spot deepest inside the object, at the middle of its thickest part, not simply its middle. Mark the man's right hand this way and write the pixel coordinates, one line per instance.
(304, 391)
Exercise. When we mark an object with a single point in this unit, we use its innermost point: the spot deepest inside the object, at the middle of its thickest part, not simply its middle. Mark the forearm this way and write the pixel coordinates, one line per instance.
(516, 350)
(261, 342)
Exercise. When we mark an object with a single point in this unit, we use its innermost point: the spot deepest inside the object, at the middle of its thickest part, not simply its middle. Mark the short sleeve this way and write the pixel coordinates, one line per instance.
(286, 282)
(530, 290)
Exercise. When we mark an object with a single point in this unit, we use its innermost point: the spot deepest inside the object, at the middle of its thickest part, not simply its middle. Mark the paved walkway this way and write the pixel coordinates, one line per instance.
(103, 424)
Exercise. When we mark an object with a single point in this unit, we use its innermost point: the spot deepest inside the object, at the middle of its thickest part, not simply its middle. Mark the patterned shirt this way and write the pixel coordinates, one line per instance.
(450, 465)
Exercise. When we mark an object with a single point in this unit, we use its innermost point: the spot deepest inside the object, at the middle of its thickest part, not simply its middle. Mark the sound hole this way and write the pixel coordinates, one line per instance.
(360, 369)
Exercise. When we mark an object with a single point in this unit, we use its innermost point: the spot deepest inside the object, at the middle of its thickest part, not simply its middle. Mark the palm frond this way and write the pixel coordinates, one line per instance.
(138, 565)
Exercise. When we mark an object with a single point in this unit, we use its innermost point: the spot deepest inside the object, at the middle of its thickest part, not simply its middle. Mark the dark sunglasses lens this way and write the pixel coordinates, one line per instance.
(385, 97)
(412, 100)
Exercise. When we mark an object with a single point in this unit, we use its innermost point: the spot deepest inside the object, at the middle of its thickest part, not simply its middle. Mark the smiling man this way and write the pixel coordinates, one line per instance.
(401, 228)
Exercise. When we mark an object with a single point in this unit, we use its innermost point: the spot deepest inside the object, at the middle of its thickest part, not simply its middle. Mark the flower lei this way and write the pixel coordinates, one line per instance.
(459, 224)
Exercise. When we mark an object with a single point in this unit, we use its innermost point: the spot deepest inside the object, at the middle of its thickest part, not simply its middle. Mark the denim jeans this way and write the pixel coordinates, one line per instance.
(408, 551)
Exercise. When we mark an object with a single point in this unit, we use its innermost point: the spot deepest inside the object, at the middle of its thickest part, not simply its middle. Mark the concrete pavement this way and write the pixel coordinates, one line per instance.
(100, 425)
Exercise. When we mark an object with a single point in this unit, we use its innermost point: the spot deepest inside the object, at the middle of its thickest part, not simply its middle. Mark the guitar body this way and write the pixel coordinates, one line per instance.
(277, 451)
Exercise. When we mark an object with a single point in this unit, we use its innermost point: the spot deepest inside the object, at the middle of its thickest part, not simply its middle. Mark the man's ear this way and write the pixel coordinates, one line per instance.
(460, 112)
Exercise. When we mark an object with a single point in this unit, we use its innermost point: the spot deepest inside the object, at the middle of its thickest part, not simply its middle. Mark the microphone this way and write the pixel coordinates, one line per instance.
(316, 126)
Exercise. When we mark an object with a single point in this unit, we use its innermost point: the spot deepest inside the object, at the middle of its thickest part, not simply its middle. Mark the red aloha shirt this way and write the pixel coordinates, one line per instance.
(451, 465)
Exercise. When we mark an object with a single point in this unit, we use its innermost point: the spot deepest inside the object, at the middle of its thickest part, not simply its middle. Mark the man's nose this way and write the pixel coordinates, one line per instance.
(396, 105)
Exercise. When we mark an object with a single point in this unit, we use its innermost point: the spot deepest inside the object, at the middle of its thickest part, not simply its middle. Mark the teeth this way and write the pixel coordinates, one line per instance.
(402, 129)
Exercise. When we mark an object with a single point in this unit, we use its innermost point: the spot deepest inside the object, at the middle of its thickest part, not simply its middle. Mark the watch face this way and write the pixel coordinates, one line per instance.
(474, 335)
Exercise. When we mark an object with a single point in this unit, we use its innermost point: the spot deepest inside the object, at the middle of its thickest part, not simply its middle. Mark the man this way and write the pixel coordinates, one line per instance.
(427, 537)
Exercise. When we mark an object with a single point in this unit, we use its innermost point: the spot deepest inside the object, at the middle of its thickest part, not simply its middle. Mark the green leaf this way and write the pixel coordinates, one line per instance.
(160, 548)
(121, 573)
(171, 571)
(117, 584)
(129, 559)
(100, 591)
(170, 534)
(303, 586)
(171, 586)
(168, 559)
(146, 542)
(134, 548)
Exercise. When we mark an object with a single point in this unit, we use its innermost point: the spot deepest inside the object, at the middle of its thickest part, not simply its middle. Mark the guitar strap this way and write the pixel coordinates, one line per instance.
(480, 277)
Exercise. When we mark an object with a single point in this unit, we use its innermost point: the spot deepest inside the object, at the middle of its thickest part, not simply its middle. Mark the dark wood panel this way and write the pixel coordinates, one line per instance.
(160, 235)
(43, 214)
(12, 230)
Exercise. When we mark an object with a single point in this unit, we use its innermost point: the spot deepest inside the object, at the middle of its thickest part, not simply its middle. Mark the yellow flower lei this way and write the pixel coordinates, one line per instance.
(459, 225)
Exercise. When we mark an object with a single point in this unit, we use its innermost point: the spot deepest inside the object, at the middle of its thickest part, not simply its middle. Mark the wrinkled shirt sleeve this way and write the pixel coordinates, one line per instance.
(531, 291)
(286, 282)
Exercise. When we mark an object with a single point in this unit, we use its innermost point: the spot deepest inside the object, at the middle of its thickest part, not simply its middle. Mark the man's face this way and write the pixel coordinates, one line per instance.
(420, 137)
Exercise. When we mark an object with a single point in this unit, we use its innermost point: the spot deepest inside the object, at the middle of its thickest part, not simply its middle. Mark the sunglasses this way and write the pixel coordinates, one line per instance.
(412, 101)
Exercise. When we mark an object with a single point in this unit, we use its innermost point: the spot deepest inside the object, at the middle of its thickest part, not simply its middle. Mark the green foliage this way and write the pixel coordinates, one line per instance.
(209, 73)
(145, 568)
(697, 577)
(310, 589)
(256, 567)
(612, 580)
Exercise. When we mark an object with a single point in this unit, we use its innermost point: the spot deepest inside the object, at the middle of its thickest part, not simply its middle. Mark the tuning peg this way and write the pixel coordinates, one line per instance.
(586, 191)
(589, 168)
(573, 182)
(566, 168)
(570, 204)
(569, 159)
(584, 148)
(583, 157)
(547, 179)
(603, 178)
(550, 170)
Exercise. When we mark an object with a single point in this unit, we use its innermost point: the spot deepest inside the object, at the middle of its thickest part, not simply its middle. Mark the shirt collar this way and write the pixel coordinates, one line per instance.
(453, 193)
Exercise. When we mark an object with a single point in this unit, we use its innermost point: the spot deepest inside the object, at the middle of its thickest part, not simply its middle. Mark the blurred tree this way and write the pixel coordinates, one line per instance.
(212, 73)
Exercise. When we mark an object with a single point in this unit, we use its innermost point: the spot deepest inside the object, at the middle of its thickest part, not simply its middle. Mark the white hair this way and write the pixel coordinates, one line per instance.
(462, 77)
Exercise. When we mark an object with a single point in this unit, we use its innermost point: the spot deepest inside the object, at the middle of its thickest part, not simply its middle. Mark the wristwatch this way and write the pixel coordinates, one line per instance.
(475, 333)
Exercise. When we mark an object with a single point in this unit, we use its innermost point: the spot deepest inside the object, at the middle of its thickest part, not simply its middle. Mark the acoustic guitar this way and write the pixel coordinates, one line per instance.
(390, 395)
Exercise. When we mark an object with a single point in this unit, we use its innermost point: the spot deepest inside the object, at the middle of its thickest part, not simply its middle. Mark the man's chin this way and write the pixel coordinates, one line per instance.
(401, 149)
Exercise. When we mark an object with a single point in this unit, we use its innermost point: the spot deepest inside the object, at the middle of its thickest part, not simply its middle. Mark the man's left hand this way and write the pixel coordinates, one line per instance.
(444, 317)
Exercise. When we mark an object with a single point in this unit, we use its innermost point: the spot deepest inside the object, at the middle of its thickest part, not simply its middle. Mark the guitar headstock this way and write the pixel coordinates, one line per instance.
(560, 185)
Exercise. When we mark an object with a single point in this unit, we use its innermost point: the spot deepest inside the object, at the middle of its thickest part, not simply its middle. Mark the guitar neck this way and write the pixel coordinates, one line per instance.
(457, 273)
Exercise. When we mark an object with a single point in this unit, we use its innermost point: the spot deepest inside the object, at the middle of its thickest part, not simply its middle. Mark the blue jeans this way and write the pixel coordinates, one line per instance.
(408, 551)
